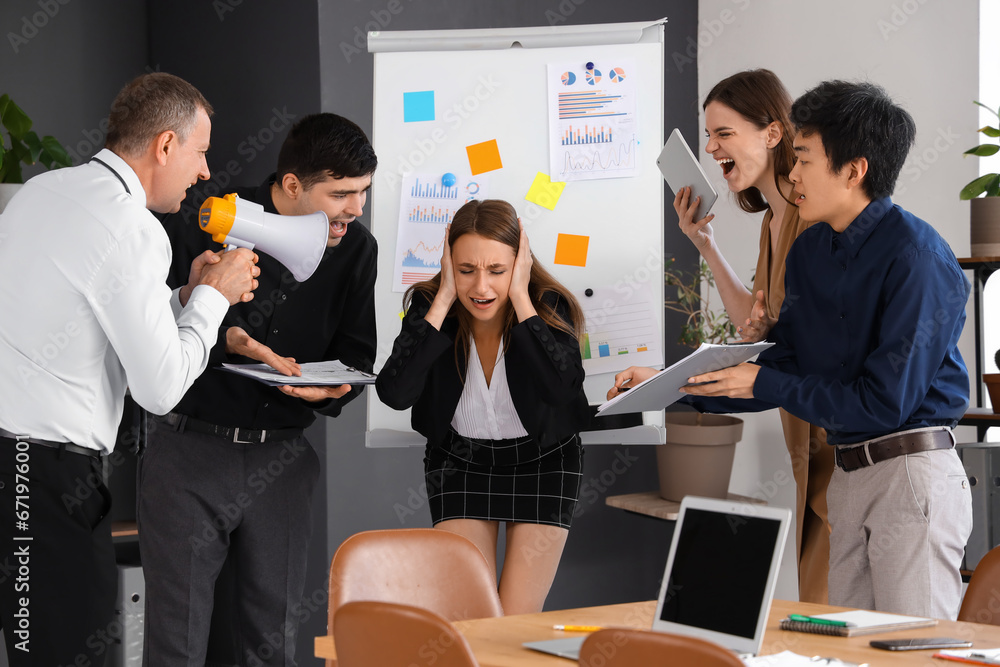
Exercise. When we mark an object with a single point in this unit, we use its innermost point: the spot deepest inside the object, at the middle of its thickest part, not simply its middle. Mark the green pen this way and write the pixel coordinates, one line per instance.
(813, 619)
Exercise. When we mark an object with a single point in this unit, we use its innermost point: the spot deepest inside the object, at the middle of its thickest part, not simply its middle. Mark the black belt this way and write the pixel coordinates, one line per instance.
(231, 433)
(852, 458)
(52, 444)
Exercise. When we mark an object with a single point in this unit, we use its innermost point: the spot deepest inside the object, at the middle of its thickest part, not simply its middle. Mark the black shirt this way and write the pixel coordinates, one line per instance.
(329, 316)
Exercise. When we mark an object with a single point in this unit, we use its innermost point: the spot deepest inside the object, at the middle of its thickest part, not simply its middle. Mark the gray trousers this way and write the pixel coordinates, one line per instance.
(205, 502)
(898, 534)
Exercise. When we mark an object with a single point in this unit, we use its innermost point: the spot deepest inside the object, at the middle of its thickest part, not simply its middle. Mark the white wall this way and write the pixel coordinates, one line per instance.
(925, 53)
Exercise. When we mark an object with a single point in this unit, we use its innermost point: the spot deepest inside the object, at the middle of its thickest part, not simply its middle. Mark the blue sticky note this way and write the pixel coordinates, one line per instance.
(418, 106)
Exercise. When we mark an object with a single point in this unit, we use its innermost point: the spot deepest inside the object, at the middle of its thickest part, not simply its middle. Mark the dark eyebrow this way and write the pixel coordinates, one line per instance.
(722, 129)
(495, 265)
(800, 149)
(350, 192)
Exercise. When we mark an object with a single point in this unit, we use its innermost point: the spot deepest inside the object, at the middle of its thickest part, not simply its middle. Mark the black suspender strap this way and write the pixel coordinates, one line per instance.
(117, 175)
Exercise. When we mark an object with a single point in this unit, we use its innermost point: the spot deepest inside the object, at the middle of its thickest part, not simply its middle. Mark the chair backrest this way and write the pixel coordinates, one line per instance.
(639, 648)
(981, 603)
(424, 567)
(384, 634)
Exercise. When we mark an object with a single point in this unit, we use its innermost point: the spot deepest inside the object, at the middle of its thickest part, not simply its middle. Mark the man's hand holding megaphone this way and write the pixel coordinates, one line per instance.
(239, 342)
(232, 274)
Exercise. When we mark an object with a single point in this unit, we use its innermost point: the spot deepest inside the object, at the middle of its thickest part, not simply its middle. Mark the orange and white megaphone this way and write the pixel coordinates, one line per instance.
(297, 241)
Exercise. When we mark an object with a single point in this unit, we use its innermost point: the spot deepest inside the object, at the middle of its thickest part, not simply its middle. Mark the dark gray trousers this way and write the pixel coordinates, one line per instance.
(205, 502)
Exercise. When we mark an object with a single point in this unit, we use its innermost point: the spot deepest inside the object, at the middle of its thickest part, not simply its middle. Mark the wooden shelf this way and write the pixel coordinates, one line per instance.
(651, 504)
(979, 262)
(124, 529)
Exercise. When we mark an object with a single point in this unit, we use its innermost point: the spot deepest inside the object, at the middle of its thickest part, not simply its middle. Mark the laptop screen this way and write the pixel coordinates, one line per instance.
(720, 572)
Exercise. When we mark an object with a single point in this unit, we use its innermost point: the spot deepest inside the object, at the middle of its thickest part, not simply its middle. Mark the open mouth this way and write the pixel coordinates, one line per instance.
(338, 226)
(727, 165)
(482, 303)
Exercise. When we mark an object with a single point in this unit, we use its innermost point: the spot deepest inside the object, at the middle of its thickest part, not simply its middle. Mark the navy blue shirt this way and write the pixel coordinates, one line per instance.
(866, 343)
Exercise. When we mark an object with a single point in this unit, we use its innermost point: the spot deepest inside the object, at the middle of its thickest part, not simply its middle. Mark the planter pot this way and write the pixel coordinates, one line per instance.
(992, 381)
(7, 191)
(697, 458)
(984, 230)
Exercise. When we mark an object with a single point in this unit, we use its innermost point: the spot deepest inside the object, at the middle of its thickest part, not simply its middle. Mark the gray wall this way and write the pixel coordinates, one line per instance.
(63, 66)
(611, 556)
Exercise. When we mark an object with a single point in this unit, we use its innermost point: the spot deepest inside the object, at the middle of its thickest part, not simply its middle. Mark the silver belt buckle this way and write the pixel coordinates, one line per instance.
(236, 437)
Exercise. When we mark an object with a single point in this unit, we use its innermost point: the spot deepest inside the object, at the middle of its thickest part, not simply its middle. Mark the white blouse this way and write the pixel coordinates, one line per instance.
(487, 411)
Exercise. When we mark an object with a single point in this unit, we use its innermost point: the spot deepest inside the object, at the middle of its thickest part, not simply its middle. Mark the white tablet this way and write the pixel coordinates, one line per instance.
(681, 169)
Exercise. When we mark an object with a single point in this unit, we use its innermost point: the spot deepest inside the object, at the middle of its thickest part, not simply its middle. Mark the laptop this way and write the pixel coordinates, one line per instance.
(720, 575)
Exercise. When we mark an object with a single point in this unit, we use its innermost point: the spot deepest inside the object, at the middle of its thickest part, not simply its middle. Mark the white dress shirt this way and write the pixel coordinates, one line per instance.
(487, 411)
(85, 310)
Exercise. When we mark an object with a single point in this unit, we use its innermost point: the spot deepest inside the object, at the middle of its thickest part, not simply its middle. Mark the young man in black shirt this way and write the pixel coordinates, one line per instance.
(227, 478)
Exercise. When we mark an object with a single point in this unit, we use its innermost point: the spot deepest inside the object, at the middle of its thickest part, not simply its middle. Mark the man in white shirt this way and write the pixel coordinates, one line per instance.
(87, 312)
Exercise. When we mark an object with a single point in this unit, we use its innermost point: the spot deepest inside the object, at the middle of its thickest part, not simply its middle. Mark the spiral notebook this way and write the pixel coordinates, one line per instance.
(859, 622)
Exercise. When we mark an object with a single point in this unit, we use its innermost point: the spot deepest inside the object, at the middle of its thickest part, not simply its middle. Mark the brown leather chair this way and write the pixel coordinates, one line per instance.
(383, 634)
(423, 567)
(639, 648)
(981, 603)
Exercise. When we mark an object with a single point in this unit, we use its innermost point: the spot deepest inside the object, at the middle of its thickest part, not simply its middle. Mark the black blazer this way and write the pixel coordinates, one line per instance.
(544, 371)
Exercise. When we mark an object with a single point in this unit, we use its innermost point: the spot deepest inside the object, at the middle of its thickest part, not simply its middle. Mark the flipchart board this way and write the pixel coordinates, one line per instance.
(565, 123)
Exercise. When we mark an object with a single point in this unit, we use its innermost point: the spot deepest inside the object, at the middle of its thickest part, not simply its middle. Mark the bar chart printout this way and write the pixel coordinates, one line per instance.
(620, 330)
(426, 206)
(592, 122)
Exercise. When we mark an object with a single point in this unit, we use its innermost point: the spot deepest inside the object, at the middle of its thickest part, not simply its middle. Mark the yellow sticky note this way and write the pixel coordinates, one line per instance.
(484, 157)
(544, 192)
(571, 249)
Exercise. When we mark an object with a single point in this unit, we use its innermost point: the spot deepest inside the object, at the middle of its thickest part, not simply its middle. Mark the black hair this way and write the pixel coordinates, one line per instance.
(857, 120)
(325, 144)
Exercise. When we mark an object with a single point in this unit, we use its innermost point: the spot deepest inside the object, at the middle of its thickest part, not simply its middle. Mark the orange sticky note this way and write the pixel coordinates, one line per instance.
(571, 249)
(544, 192)
(484, 157)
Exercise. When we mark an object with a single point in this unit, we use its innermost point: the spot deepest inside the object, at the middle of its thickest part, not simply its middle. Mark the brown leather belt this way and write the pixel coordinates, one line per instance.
(852, 458)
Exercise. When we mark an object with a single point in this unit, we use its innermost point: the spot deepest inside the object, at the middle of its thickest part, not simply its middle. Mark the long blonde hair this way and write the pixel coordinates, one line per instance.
(496, 220)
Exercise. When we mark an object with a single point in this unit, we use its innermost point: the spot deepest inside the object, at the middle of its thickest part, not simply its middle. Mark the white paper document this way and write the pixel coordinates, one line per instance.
(664, 388)
(314, 374)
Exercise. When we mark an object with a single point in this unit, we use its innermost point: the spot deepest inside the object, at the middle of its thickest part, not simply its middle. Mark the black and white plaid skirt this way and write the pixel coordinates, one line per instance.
(504, 480)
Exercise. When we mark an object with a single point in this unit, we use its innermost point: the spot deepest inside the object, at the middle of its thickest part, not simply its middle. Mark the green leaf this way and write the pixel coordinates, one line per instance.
(976, 187)
(57, 154)
(990, 131)
(34, 145)
(995, 113)
(993, 188)
(983, 150)
(15, 120)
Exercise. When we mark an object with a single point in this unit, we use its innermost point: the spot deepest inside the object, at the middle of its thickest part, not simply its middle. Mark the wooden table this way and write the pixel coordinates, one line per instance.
(496, 642)
(651, 504)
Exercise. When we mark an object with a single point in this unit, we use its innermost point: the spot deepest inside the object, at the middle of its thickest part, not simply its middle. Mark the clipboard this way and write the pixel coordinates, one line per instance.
(663, 389)
(680, 168)
(314, 374)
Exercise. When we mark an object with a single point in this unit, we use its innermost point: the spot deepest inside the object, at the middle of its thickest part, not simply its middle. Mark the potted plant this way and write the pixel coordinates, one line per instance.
(697, 457)
(22, 146)
(984, 212)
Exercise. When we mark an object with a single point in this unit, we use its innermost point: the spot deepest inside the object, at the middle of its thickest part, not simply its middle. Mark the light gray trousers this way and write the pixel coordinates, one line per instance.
(898, 534)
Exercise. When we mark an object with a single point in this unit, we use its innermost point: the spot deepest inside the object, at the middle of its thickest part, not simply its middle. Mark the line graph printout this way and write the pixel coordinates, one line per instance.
(592, 120)
(620, 329)
(427, 204)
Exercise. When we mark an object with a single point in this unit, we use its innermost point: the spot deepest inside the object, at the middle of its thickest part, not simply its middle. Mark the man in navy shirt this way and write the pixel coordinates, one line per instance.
(866, 346)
